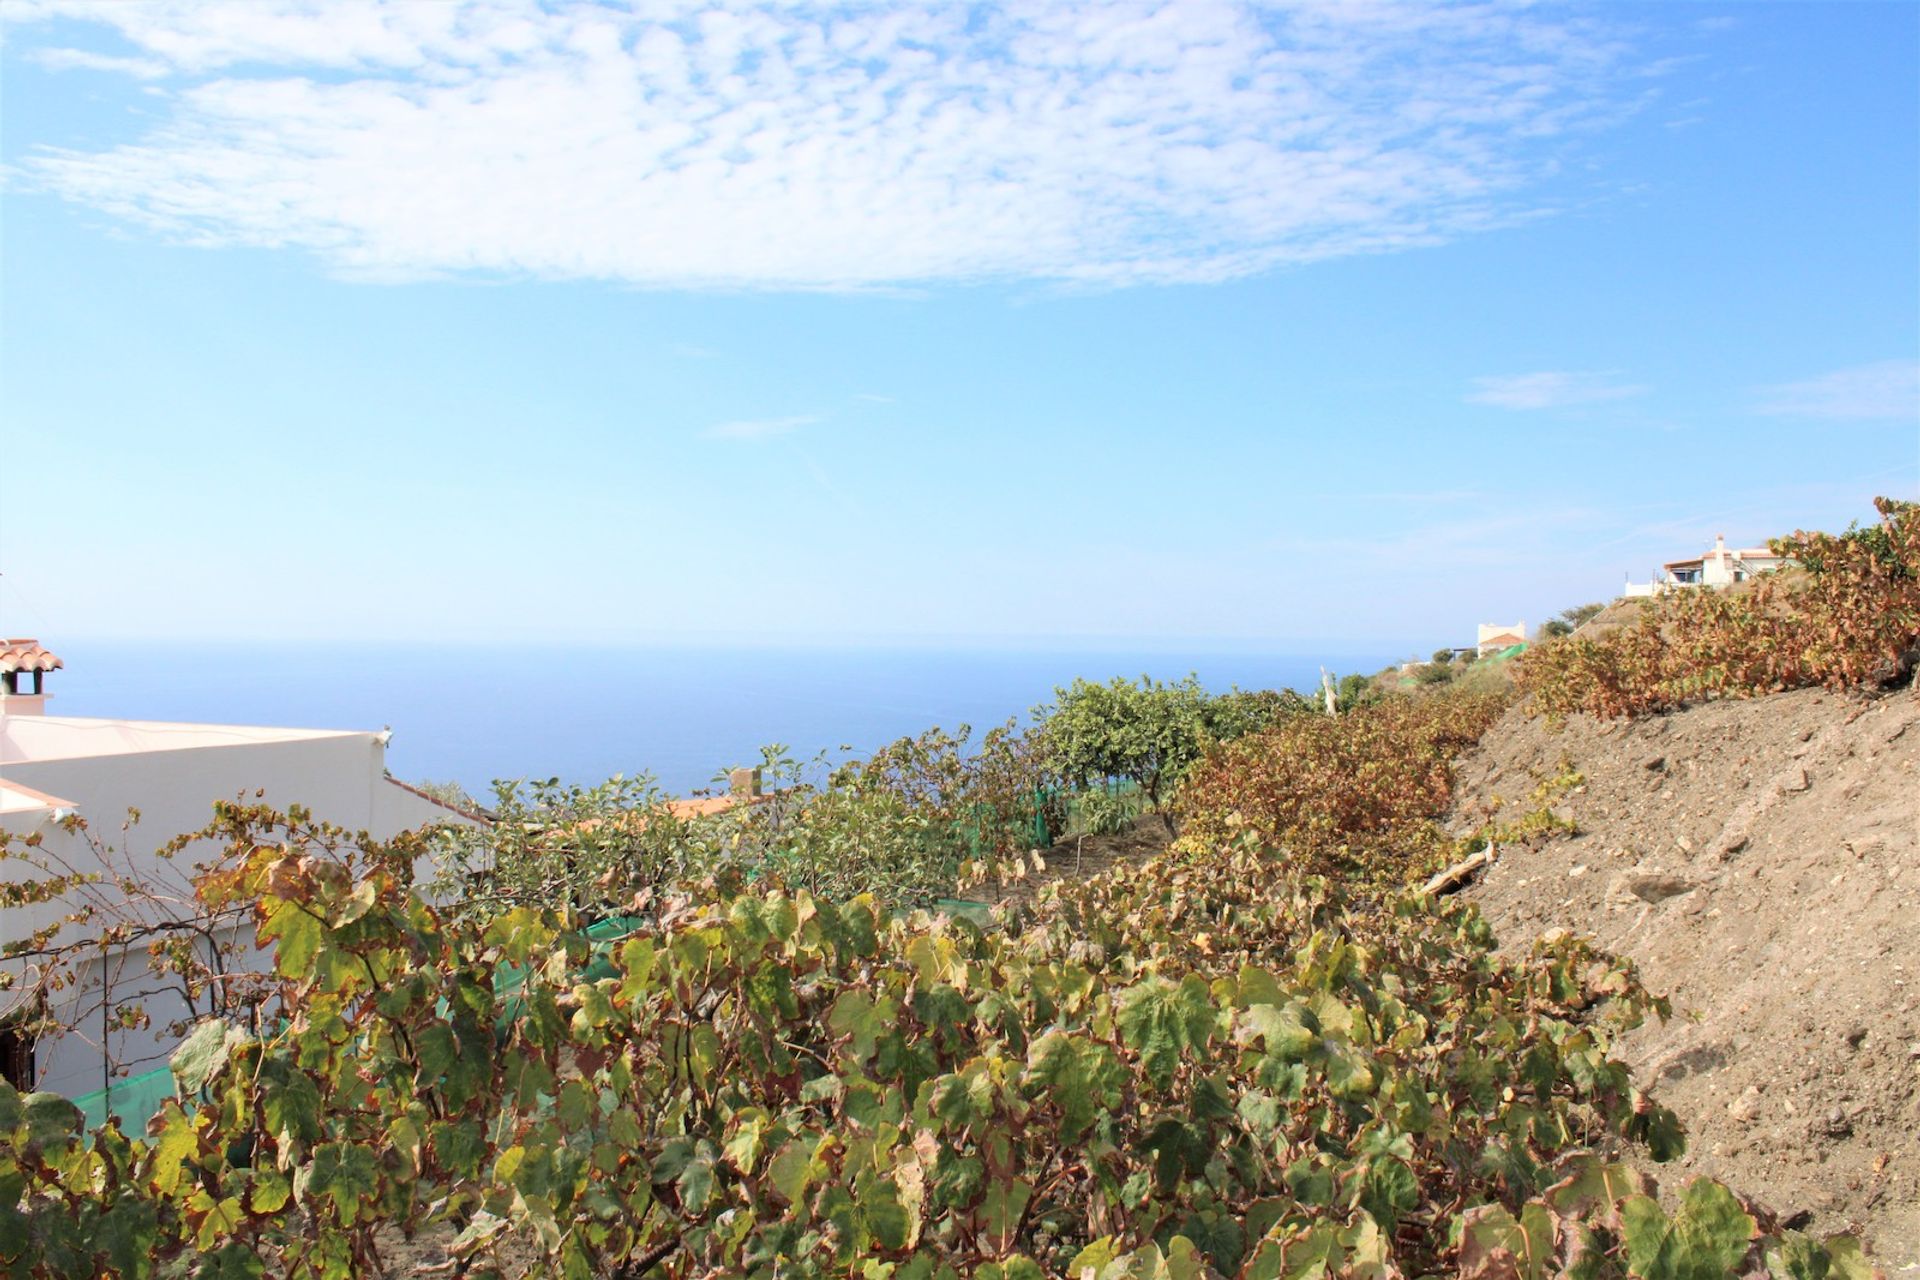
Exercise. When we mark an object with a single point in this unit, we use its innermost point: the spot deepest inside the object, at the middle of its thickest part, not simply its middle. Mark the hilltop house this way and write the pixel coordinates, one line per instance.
(53, 768)
(1495, 636)
(1721, 566)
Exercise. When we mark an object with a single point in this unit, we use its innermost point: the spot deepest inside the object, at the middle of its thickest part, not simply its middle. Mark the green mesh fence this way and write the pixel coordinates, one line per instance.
(510, 980)
(134, 1100)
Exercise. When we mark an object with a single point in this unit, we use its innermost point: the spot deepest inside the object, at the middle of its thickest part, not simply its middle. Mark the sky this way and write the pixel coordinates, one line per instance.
(1138, 325)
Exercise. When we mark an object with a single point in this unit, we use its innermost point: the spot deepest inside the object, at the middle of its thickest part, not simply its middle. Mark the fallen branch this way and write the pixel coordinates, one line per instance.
(1455, 876)
(637, 1267)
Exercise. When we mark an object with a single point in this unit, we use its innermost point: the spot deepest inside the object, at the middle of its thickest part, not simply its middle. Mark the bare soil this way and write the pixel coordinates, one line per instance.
(1760, 860)
(1082, 857)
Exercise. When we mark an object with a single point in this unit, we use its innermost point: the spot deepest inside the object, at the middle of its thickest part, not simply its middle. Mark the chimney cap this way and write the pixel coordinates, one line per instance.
(22, 653)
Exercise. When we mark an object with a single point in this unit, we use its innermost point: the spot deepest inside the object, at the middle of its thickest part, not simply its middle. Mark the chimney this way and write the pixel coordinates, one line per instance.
(744, 783)
(23, 670)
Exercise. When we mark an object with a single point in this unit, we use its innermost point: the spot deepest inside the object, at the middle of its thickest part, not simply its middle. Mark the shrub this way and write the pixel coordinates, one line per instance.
(904, 823)
(1354, 794)
(1148, 733)
(1001, 794)
(1238, 712)
(901, 824)
(589, 848)
(1571, 620)
(1353, 691)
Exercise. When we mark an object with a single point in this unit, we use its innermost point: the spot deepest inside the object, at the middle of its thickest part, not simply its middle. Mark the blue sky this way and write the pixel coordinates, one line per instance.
(1182, 326)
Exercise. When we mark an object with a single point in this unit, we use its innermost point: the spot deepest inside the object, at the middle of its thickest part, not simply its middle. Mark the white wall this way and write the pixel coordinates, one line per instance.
(341, 778)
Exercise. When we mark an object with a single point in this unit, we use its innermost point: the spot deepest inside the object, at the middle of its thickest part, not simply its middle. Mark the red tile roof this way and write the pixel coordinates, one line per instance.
(26, 655)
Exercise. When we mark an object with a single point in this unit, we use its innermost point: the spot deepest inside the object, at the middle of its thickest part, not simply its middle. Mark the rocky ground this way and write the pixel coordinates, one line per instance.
(1761, 861)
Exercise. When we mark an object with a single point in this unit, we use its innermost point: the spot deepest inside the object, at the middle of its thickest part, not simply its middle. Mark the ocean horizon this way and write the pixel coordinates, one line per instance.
(680, 713)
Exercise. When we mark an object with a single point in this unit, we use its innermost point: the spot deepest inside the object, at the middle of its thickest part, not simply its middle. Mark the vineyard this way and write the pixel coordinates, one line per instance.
(1170, 1071)
(1258, 1055)
(1357, 797)
(1848, 616)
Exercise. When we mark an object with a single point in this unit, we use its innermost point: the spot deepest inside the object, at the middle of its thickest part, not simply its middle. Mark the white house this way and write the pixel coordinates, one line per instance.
(1495, 636)
(55, 766)
(1722, 566)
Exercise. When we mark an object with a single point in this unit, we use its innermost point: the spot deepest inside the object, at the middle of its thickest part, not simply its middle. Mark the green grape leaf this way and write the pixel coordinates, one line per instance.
(50, 1119)
(202, 1054)
(1079, 1076)
(1160, 1021)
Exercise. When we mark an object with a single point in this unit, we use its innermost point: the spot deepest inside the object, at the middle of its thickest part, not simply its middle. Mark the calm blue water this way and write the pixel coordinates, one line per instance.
(472, 715)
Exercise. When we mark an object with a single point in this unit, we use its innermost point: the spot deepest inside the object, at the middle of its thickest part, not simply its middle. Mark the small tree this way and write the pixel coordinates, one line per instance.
(1356, 690)
(1571, 620)
(1149, 732)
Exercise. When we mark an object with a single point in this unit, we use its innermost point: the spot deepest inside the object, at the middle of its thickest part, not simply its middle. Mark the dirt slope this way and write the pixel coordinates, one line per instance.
(1761, 861)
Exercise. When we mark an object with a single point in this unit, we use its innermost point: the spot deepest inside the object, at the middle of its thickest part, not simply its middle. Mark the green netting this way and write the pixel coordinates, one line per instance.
(1029, 829)
(510, 980)
(134, 1100)
(981, 913)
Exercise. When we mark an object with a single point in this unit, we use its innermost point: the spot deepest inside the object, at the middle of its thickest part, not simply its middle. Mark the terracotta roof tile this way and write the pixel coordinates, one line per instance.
(26, 655)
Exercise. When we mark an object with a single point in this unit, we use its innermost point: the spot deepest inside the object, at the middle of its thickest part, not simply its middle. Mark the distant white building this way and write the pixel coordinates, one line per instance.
(55, 766)
(1722, 566)
(1495, 636)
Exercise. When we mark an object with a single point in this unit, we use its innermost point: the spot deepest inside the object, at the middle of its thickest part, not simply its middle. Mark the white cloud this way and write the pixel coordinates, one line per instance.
(760, 428)
(1553, 389)
(765, 145)
(1889, 389)
(85, 60)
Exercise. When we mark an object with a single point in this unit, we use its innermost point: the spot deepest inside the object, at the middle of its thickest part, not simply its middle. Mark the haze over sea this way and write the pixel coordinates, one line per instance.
(474, 714)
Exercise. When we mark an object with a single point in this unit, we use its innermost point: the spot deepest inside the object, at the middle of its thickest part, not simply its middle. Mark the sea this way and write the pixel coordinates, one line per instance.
(681, 715)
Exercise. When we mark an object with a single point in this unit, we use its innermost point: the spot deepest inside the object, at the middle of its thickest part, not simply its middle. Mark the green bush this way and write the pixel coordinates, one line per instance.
(1148, 733)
